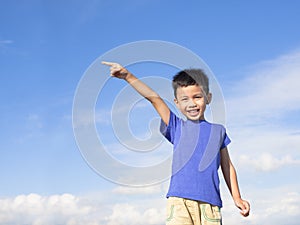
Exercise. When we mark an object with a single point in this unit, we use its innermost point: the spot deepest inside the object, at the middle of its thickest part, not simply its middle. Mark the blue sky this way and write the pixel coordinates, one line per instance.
(253, 49)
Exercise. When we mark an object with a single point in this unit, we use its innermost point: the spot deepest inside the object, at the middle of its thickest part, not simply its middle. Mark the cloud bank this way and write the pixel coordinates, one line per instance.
(269, 206)
(74, 210)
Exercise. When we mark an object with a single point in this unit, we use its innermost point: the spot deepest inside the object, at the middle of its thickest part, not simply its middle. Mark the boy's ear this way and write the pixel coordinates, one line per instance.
(175, 101)
(209, 97)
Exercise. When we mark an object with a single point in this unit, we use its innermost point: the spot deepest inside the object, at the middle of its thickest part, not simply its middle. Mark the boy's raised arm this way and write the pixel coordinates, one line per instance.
(116, 70)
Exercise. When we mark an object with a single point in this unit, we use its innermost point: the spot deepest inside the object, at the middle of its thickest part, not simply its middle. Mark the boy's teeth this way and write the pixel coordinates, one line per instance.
(193, 111)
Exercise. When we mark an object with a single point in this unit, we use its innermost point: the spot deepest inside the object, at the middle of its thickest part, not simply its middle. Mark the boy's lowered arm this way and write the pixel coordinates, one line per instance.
(230, 177)
(116, 70)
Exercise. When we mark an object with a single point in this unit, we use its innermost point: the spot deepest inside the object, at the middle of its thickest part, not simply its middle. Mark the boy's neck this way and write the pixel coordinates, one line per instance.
(196, 121)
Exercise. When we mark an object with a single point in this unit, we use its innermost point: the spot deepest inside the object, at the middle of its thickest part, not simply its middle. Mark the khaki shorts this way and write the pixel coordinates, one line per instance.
(182, 211)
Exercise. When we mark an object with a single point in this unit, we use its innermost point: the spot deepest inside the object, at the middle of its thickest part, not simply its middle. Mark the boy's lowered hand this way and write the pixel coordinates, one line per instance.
(243, 205)
(116, 70)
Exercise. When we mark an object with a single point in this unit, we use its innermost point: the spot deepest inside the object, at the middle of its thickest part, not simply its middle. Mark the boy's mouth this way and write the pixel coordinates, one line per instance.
(193, 112)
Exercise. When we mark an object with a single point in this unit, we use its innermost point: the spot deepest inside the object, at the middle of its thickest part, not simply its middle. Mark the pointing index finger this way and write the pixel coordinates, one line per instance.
(107, 63)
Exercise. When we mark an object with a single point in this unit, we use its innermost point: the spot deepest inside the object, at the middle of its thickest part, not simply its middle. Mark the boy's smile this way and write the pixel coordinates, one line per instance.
(191, 101)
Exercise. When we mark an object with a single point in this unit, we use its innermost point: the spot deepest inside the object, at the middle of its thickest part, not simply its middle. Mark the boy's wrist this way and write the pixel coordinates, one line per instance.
(129, 77)
(236, 198)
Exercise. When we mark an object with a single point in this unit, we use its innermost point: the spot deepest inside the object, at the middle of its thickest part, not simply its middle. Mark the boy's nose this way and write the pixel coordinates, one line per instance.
(192, 104)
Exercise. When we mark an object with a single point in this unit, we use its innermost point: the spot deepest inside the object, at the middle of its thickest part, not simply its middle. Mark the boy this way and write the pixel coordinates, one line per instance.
(200, 148)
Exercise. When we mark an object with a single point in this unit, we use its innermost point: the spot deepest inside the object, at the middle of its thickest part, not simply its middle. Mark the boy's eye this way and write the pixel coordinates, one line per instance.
(198, 96)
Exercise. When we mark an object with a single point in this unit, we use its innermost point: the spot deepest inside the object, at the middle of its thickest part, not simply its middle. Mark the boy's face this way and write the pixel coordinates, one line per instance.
(191, 101)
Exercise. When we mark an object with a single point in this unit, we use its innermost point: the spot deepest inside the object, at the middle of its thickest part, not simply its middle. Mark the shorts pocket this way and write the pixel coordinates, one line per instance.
(170, 213)
(177, 212)
(211, 213)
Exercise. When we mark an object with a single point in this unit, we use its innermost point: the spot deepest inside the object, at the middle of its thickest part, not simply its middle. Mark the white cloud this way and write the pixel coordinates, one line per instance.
(124, 214)
(267, 162)
(263, 149)
(262, 112)
(271, 90)
(275, 206)
(43, 210)
(73, 210)
(149, 190)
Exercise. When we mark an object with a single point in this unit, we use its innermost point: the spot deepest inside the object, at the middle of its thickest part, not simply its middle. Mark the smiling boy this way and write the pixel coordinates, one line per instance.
(199, 148)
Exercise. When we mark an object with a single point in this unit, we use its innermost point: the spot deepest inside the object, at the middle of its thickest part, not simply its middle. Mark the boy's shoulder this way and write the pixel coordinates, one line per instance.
(216, 127)
(215, 124)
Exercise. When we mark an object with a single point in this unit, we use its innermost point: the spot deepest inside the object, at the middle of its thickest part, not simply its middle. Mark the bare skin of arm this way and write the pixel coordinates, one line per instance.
(230, 177)
(116, 70)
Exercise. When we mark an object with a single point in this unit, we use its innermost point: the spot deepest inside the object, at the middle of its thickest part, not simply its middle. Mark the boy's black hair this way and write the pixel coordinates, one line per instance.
(189, 77)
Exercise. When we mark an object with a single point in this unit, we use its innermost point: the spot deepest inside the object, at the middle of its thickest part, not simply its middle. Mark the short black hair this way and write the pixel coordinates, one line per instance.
(189, 77)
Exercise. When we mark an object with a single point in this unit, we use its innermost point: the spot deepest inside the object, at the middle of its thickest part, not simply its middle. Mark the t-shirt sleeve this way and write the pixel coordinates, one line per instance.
(226, 140)
(168, 130)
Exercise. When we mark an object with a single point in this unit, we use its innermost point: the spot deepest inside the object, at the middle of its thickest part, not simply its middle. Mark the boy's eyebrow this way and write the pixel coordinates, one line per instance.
(181, 97)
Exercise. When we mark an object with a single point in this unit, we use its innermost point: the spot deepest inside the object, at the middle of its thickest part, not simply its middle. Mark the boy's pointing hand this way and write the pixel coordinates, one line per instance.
(116, 70)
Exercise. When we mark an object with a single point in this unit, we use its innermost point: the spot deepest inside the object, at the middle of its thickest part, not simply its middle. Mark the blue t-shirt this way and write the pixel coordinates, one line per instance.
(196, 158)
